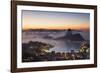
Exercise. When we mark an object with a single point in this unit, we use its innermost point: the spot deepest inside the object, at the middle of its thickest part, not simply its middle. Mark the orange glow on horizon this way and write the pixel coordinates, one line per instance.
(58, 27)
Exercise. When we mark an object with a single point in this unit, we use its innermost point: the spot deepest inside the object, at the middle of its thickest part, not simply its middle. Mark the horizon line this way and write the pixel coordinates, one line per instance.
(52, 29)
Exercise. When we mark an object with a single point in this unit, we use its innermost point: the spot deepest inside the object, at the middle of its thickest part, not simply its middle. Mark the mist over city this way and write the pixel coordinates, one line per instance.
(55, 36)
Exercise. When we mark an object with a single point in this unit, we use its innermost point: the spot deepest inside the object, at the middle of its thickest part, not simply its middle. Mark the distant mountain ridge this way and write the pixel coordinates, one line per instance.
(50, 30)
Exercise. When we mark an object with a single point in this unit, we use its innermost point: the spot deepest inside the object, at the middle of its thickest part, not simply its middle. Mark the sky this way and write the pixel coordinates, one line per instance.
(32, 19)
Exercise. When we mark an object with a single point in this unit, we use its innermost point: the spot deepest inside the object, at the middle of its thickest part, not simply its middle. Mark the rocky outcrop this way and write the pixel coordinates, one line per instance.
(72, 37)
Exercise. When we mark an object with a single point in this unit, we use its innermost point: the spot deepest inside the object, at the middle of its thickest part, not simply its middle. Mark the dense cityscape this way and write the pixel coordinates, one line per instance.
(38, 51)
